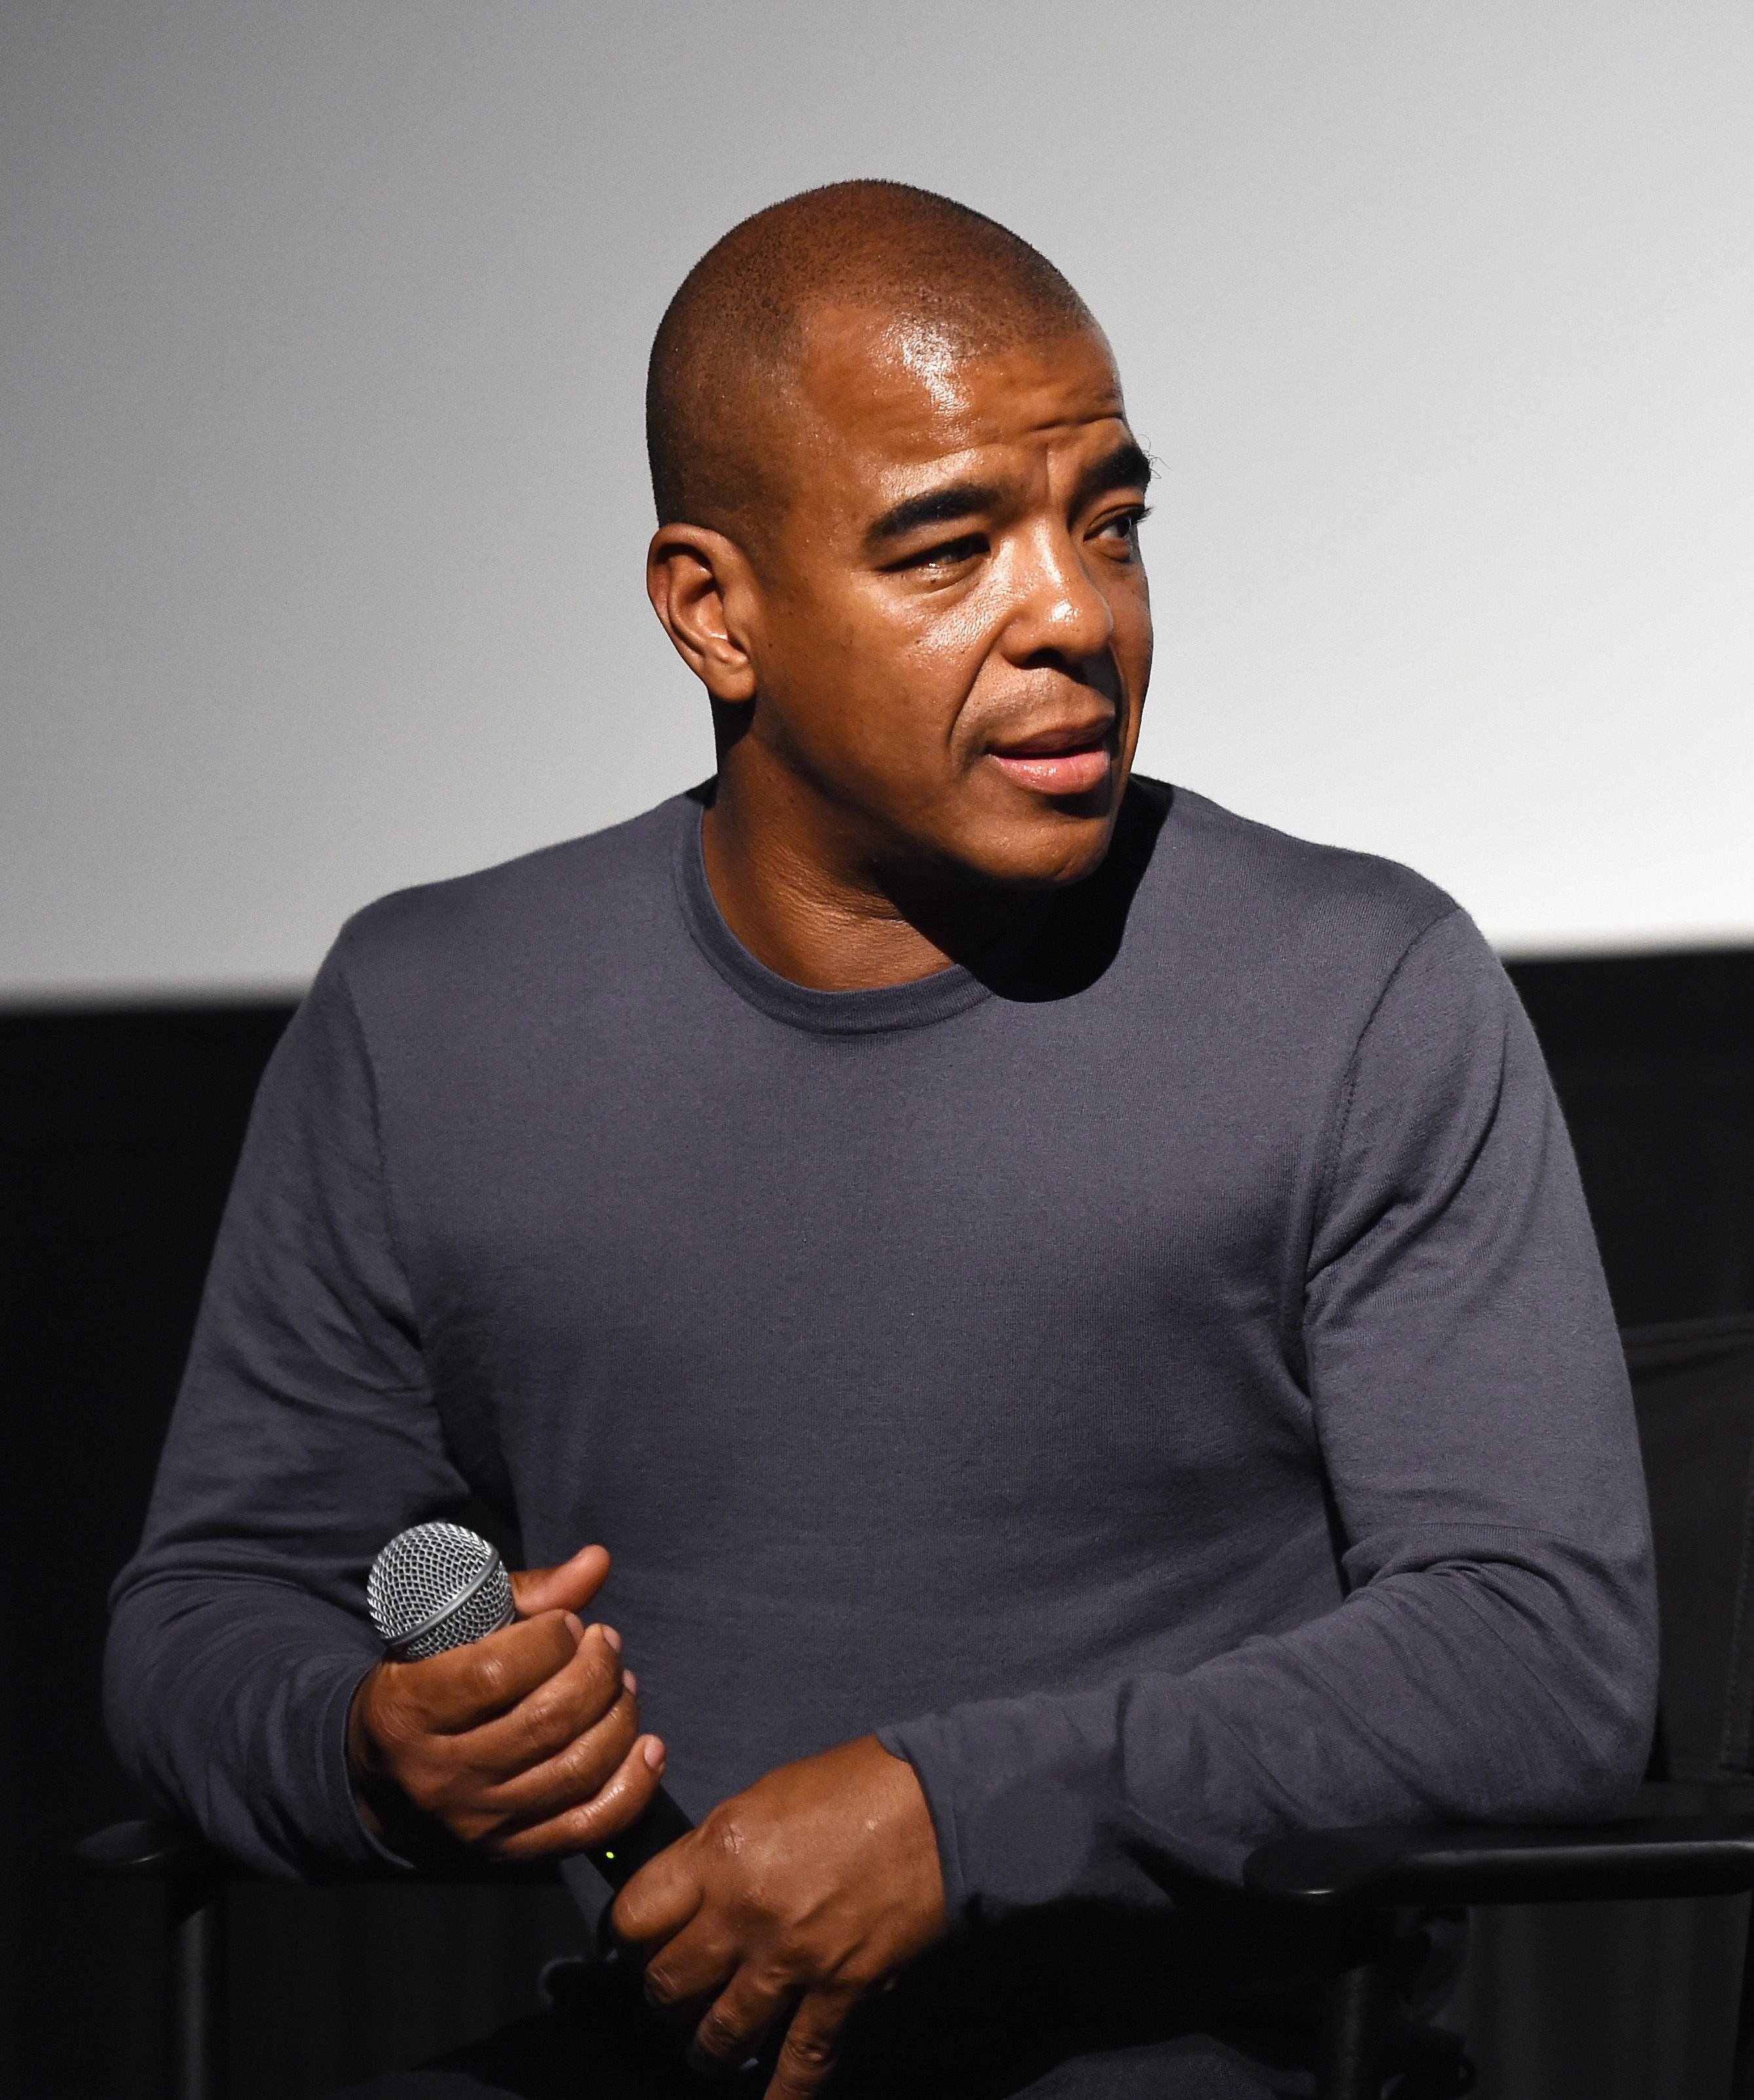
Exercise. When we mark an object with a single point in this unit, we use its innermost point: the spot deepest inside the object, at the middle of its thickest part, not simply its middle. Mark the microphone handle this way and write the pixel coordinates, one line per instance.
(621, 1858)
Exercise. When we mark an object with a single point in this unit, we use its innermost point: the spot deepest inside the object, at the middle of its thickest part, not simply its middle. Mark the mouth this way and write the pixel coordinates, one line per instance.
(1070, 760)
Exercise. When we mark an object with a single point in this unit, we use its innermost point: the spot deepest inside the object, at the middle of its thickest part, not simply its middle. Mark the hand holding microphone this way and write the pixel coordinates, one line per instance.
(498, 1716)
(518, 1736)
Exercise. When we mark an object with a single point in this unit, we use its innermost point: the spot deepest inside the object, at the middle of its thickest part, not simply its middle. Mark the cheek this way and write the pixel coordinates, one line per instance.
(947, 651)
(1131, 608)
(873, 688)
(913, 672)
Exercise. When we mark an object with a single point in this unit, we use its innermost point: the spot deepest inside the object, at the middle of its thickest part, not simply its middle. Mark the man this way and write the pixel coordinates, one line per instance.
(1072, 1311)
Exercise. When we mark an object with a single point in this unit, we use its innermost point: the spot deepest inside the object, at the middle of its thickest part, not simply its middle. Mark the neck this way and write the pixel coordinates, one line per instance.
(816, 904)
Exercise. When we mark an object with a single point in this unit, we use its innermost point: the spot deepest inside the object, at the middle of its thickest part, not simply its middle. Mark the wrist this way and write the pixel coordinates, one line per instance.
(910, 1819)
(359, 1746)
(385, 1811)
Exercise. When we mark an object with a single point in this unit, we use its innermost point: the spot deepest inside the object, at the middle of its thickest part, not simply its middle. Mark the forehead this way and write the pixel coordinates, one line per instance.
(880, 397)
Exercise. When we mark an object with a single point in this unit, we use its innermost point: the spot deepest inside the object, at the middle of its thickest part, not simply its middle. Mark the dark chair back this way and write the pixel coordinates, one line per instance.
(1693, 1384)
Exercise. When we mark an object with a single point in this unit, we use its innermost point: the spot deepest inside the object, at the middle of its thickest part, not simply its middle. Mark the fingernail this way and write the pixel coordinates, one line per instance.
(612, 1637)
(576, 1623)
(629, 1682)
(654, 1753)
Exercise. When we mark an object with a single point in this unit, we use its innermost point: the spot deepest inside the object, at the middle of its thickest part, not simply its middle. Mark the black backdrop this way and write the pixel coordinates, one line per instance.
(121, 1129)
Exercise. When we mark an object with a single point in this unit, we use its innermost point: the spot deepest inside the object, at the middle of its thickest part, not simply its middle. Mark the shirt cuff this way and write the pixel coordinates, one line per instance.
(1014, 1790)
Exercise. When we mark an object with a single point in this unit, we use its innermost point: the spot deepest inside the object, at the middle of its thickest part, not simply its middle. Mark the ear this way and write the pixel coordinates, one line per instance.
(705, 594)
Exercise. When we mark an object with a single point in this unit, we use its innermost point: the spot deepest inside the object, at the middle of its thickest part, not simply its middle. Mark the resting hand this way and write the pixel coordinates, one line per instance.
(522, 1744)
(792, 1902)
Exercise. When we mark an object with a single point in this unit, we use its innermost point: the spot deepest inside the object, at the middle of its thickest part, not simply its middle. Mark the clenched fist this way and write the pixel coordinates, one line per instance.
(792, 1902)
(525, 1744)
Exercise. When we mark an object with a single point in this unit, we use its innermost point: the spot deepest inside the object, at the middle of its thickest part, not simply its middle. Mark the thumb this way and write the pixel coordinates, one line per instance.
(568, 1588)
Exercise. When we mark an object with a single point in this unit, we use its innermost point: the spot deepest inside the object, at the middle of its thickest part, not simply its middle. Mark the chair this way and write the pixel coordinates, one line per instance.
(1691, 1832)
(194, 1880)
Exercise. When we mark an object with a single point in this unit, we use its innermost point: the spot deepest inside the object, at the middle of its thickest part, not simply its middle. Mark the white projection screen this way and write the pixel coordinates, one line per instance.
(325, 505)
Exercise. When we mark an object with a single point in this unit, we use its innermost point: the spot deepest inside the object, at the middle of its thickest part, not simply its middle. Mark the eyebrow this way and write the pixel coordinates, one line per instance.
(1127, 466)
(937, 506)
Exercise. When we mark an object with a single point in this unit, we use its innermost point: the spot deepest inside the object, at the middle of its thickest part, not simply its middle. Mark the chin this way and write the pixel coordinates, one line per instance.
(1057, 850)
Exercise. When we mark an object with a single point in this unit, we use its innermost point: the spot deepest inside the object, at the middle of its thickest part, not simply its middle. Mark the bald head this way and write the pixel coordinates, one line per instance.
(721, 394)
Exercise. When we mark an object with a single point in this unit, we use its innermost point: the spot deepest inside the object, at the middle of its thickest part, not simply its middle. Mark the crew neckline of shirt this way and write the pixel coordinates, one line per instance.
(919, 1004)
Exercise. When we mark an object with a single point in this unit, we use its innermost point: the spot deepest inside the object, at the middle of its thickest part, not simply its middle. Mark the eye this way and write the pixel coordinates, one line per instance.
(946, 553)
(1124, 525)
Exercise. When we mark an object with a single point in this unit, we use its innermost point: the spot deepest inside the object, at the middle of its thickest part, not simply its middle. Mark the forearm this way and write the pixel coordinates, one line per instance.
(1519, 1687)
(227, 1699)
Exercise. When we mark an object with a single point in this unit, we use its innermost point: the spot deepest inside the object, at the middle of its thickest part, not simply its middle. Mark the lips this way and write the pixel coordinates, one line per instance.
(1069, 759)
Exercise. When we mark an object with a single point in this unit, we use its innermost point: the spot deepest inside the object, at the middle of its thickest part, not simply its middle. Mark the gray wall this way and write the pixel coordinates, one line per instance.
(324, 335)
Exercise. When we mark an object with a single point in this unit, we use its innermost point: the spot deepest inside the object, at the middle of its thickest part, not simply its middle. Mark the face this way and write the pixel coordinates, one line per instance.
(944, 640)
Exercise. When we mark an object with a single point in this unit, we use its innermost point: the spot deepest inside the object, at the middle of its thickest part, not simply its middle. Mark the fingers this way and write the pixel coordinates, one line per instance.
(621, 1800)
(560, 1709)
(466, 1686)
(531, 1793)
(548, 1754)
(684, 1976)
(568, 1588)
(734, 2026)
(659, 1900)
(551, 1753)
(812, 2047)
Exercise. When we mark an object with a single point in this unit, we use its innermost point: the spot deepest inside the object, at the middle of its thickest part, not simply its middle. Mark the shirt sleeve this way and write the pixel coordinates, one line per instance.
(1495, 1654)
(304, 1436)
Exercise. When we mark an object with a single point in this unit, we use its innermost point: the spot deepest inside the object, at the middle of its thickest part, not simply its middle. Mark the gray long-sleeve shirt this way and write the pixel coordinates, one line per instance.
(1164, 1382)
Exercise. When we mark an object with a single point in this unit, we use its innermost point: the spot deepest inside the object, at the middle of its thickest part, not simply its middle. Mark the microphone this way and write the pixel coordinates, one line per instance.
(440, 1586)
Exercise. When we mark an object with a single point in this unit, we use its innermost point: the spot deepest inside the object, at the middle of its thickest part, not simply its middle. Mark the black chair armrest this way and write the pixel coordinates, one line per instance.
(155, 1848)
(152, 1848)
(1680, 1842)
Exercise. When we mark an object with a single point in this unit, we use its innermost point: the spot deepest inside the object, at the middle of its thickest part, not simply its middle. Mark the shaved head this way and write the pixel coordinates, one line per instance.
(721, 397)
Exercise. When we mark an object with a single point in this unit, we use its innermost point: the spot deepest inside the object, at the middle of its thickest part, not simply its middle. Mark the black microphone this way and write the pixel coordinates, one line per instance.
(440, 1586)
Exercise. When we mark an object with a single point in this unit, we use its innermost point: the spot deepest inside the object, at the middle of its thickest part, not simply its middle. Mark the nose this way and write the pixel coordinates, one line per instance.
(1059, 613)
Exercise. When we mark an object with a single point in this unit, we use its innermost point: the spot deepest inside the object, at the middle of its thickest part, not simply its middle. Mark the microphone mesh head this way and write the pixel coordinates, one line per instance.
(437, 1586)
